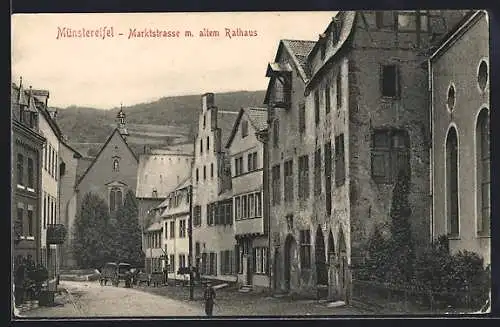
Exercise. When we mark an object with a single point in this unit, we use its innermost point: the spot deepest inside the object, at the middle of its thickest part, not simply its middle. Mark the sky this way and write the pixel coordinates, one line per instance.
(103, 73)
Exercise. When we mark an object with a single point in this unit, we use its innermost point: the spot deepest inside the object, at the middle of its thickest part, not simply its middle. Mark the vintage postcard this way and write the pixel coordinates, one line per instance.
(250, 164)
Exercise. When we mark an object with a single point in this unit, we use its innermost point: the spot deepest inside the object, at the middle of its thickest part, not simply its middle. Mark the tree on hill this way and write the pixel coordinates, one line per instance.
(127, 235)
(91, 245)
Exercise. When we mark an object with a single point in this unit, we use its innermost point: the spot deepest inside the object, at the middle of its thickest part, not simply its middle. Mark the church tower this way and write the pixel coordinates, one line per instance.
(122, 124)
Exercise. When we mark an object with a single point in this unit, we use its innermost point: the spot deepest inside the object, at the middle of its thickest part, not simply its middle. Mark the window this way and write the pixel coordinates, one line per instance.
(204, 173)
(276, 184)
(305, 249)
(238, 166)
(339, 160)
(20, 169)
(303, 177)
(204, 263)
(407, 21)
(237, 214)
(252, 161)
(44, 210)
(182, 228)
(240, 254)
(197, 249)
(115, 199)
(197, 175)
(384, 19)
(251, 206)
(31, 171)
(244, 207)
(288, 181)
(171, 264)
(31, 227)
(302, 118)
(328, 177)
(201, 145)
(182, 261)
(258, 204)
(339, 90)
(211, 170)
(452, 182)
(244, 129)
(482, 75)
(450, 101)
(166, 229)
(204, 120)
(483, 164)
(316, 107)
(327, 98)
(226, 262)
(317, 172)
(52, 211)
(116, 166)
(229, 212)
(390, 155)
(211, 214)
(260, 260)
(213, 264)
(390, 81)
(172, 229)
(276, 132)
(20, 219)
(208, 143)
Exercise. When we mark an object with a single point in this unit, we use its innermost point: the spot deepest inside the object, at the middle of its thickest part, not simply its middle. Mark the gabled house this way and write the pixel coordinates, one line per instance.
(360, 120)
(250, 224)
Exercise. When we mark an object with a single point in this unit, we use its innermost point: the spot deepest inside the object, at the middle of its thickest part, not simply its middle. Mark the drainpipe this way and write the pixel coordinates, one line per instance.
(431, 149)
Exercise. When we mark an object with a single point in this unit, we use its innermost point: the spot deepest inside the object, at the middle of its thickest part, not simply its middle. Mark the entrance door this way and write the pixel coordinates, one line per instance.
(343, 266)
(289, 252)
(250, 254)
(321, 268)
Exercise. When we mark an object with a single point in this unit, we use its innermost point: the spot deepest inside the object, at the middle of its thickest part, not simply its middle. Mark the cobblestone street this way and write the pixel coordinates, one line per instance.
(89, 299)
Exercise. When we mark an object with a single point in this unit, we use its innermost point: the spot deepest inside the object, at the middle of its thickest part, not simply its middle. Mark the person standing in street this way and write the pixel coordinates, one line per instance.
(209, 296)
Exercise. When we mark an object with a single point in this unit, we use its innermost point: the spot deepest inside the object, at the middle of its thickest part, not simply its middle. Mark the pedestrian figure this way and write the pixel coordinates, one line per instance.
(209, 296)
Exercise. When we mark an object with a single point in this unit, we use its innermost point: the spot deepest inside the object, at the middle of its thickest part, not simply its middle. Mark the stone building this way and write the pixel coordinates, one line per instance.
(26, 178)
(113, 171)
(246, 153)
(211, 180)
(158, 173)
(460, 152)
(345, 117)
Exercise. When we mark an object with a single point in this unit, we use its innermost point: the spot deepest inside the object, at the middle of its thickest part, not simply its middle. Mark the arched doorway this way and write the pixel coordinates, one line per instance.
(290, 248)
(321, 268)
(331, 248)
(343, 282)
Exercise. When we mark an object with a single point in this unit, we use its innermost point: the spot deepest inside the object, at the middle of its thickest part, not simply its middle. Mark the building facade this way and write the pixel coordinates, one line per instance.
(26, 180)
(175, 221)
(113, 171)
(460, 111)
(246, 152)
(213, 234)
(336, 152)
(69, 161)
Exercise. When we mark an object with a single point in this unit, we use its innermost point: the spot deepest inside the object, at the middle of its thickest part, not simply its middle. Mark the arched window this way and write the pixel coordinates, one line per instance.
(452, 182)
(116, 165)
(115, 198)
(483, 172)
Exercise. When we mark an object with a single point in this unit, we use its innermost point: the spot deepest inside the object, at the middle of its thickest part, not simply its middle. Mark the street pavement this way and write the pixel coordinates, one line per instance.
(89, 299)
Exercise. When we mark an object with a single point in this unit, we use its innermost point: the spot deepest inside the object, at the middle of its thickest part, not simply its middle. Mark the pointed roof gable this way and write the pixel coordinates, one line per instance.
(298, 50)
(257, 118)
(115, 131)
(225, 121)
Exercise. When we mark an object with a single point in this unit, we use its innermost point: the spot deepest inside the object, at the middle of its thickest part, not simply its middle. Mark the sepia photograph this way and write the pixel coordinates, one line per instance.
(250, 164)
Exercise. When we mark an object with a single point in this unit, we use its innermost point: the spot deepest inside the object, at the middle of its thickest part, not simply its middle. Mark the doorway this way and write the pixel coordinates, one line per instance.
(290, 246)
(320, 256)
(343, 273)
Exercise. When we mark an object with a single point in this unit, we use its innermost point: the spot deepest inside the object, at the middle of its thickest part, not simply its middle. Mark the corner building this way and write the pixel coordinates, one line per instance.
(346, 113)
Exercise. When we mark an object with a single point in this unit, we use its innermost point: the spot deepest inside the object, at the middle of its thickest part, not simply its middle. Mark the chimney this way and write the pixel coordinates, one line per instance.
(207, 101)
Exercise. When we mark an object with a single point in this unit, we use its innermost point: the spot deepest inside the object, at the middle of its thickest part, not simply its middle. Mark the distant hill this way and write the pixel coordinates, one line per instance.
(162, 122)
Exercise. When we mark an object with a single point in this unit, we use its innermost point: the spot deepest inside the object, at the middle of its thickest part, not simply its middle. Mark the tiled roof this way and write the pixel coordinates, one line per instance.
(225, 121)
(258, 118)
(300, 49)
(161, 172)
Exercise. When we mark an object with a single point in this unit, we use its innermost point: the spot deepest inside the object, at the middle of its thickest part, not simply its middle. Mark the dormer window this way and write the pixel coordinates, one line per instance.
(244, 129)
(281, 93)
